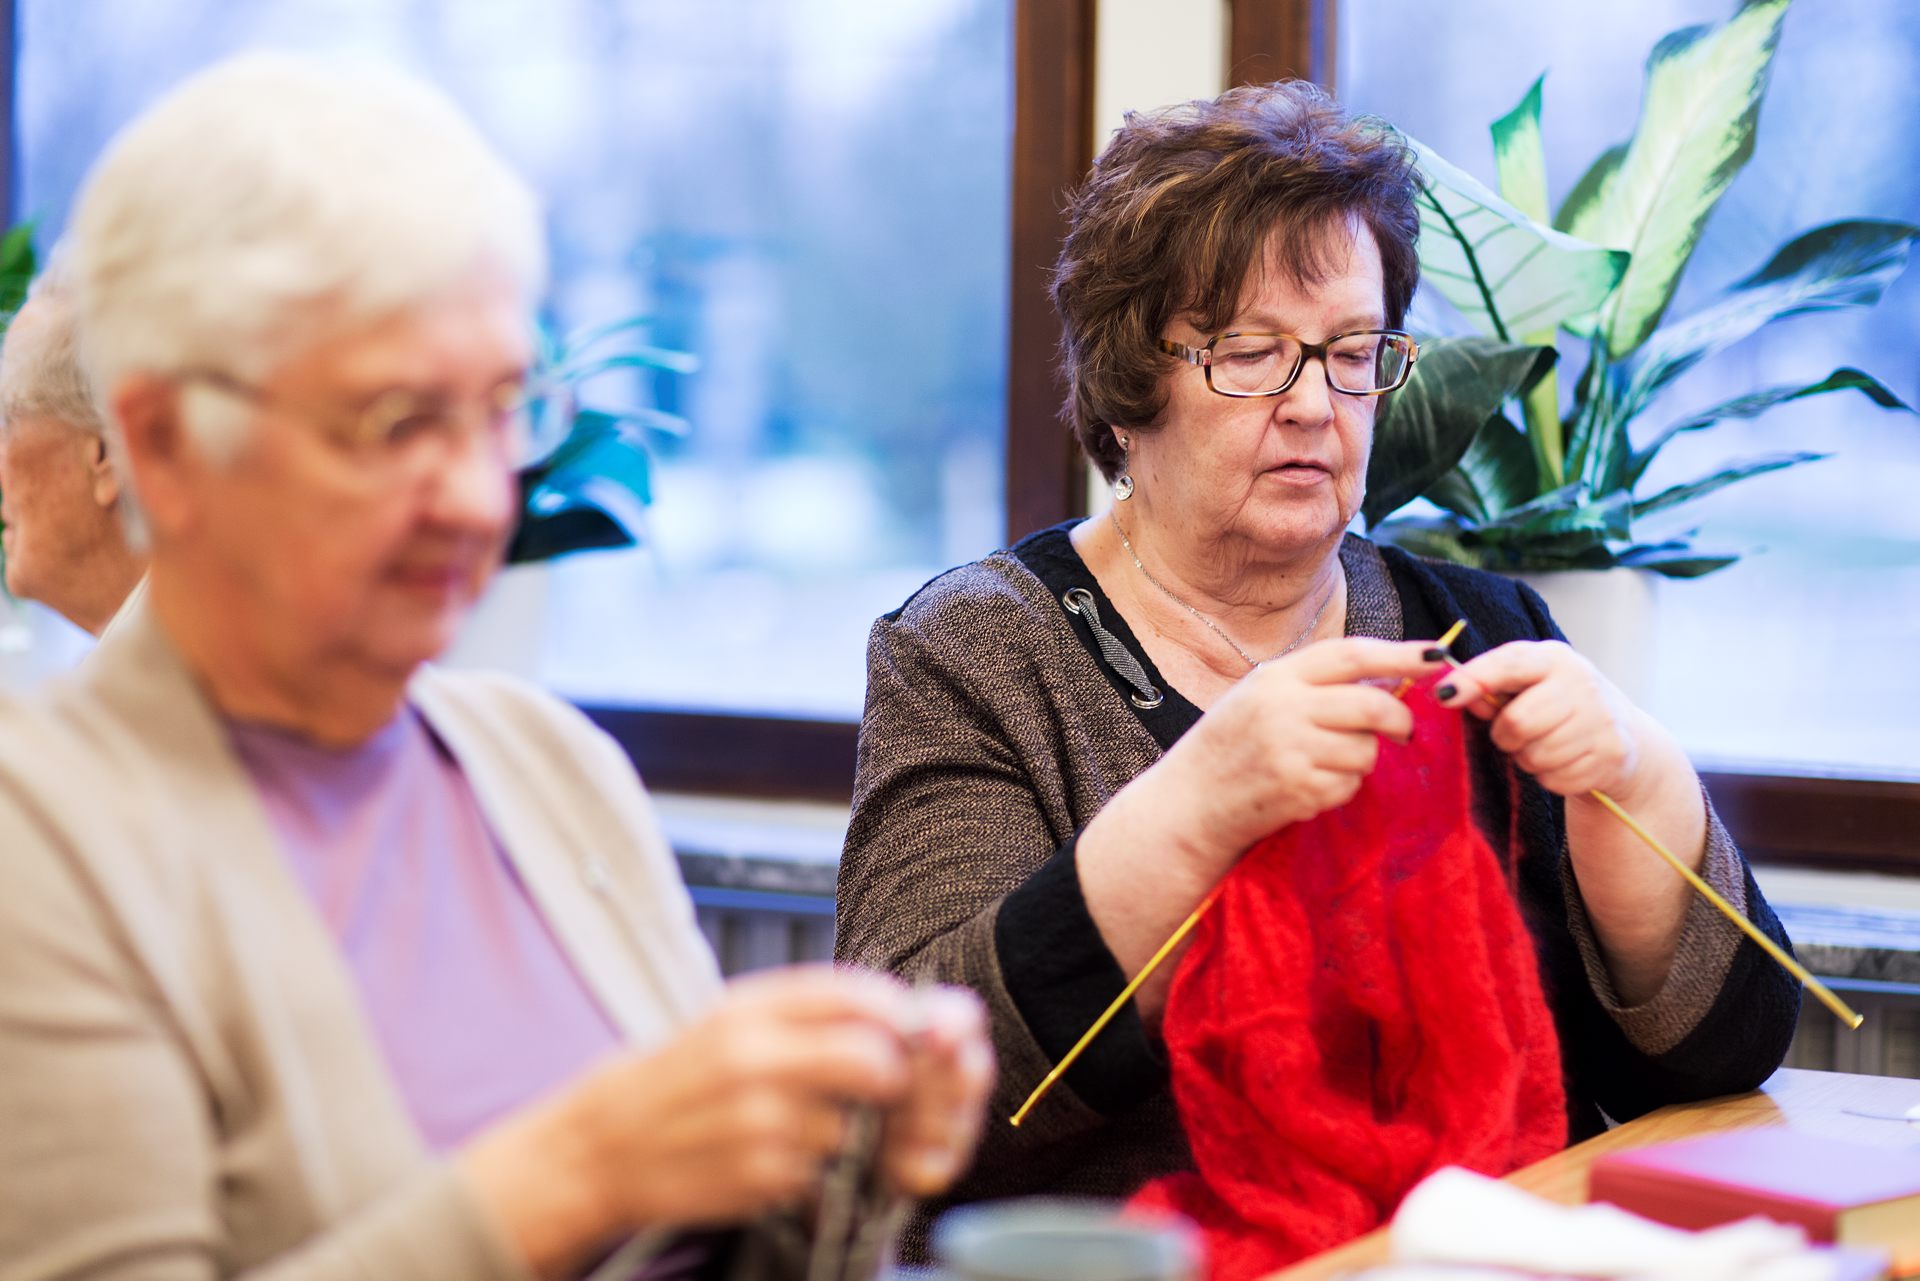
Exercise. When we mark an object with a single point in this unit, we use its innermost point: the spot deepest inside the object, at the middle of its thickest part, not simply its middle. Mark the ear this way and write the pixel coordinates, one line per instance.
(105, 480)
(162, 462)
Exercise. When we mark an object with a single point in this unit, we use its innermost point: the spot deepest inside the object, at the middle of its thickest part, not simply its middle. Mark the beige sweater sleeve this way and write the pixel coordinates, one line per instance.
(109, 1160)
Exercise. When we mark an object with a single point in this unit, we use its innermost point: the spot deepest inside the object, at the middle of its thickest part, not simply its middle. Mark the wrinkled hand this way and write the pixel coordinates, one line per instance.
(931, 1132)
(1294, 739)
(738, 1114)
(1557, 717)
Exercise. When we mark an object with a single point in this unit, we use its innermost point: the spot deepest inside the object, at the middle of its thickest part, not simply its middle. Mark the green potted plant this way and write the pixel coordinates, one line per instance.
(587, 491)
(1534, 474)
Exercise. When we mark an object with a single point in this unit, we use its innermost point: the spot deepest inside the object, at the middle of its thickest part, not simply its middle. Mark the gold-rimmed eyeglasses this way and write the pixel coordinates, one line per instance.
(1366, 362)
(395, 420)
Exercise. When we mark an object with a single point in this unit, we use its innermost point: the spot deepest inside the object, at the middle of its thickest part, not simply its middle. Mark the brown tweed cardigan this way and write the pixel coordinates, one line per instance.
(993, 733)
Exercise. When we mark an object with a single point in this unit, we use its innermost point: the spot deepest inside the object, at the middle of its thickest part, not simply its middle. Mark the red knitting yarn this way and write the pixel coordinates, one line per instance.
(1361, 1007)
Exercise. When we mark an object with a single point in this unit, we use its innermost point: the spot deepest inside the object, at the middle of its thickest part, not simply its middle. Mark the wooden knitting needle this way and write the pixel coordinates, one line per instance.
(1840, 1008)
(1119, 1003)
(1166, 949)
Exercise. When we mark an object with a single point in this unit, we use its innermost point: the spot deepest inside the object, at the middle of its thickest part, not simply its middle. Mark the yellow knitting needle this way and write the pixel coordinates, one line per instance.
(1841, 1009)
(1845, 1013)
(1166, 949)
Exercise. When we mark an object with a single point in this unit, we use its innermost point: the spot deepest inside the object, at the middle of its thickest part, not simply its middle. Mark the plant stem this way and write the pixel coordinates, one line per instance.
(1541, 406)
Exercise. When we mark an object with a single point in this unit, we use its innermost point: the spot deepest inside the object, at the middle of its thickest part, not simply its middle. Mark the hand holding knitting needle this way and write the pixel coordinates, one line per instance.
(1629, 789)
(1559, 719)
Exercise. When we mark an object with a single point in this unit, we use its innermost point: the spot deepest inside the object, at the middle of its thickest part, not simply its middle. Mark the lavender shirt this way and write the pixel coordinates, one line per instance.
(472, 1000)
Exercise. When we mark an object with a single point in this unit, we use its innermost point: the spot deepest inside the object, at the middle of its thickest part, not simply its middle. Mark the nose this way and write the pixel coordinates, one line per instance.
(1309, 401)
(473, 493)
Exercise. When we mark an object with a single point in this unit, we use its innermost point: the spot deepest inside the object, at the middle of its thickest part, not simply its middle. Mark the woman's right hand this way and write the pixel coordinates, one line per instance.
(735, 1116)
(1294, 739)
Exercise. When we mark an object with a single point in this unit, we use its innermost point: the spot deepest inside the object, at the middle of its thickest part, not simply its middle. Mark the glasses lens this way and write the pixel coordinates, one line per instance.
(1369, 362)
(1247, 364)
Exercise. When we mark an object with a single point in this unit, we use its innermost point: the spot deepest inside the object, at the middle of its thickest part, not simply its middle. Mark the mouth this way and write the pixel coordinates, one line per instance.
(441, 580)
(1300, 471)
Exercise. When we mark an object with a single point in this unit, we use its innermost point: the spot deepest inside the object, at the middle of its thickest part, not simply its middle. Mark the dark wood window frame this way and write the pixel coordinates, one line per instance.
(1045, 482)
(1834, 822)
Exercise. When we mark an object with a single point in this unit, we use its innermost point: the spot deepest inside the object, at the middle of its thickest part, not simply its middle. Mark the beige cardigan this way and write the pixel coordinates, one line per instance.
(188, 1086)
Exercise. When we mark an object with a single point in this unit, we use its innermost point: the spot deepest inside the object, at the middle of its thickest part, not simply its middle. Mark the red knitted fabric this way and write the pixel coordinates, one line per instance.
(1361, 1007)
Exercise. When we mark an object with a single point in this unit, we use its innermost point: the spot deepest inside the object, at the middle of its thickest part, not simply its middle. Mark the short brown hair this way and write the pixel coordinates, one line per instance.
(1176, 211)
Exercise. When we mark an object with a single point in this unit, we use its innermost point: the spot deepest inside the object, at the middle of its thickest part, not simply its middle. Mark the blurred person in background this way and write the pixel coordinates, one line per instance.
(60, 497)
(317, 962)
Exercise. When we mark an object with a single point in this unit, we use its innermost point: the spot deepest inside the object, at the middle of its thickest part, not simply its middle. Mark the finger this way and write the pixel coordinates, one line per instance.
(931, 1137)
(1504, 672)
(825, 994)
(1555, 752)
(1359, 658)
(1575, 776)
(812, 1125)
(1361, 709)
(845, 1062)
(925, 1158)
(1350, 753)
(1533, 714)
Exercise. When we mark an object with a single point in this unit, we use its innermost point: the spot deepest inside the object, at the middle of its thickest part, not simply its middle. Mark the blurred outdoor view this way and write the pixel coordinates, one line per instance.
(811, 196)
(1805, 655)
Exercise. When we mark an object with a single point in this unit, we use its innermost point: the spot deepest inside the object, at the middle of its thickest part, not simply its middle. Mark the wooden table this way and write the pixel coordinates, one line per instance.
(1818, 1102)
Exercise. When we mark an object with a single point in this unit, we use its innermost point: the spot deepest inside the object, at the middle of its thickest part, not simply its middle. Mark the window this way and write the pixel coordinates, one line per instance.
(810, 196)
(1801, 657)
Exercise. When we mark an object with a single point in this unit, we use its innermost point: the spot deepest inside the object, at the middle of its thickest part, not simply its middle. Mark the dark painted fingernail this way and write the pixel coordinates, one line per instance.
(1434, 654)
(1445, 692)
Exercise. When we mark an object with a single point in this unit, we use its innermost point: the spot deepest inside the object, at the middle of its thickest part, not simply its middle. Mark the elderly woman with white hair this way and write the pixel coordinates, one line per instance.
(65, 543)
(316, 962)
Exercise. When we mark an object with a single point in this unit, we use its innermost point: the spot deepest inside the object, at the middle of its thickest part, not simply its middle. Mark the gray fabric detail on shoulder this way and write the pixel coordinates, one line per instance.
(1373, 606)
(1701, 959)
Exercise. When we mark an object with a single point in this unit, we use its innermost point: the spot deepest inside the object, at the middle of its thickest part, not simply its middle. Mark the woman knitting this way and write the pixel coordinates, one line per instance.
(1068, 744)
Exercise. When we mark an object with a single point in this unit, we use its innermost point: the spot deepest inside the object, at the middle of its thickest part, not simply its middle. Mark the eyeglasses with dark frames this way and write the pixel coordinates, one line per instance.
(1366, 362)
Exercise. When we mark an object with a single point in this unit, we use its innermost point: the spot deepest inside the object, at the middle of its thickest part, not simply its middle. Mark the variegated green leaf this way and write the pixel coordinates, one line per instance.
(1753, 404)
(1676, 559)
(1520, 157)
(1422, 429)
(1520, 161)
(1697, 116)
(1841, 264)
(1435, 539)
(1592, 190)
(1677, 494)
(1493, 477)
(1505, 272)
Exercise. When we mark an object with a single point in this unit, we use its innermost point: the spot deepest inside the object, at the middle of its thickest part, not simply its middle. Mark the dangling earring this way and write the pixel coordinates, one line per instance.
(1123, 486)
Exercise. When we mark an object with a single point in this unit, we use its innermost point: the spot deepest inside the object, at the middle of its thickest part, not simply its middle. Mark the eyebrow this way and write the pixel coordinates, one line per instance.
(1258, 322)
(500, 378)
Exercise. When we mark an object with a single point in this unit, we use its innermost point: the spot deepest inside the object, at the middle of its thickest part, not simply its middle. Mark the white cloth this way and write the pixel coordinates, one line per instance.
(1460, 1226)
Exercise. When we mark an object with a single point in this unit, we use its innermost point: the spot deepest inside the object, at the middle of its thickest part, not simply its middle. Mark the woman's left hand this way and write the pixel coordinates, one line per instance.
(1569, 727)
(1554, 714)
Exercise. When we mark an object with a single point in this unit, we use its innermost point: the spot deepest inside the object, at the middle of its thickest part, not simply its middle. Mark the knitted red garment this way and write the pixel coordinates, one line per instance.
(1361, 1007)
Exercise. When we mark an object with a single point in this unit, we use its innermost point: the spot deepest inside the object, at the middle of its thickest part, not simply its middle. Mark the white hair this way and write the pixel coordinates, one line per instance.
(274, 193)
(41, 374)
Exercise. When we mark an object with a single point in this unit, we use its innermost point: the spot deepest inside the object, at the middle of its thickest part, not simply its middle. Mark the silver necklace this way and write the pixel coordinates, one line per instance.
(1214, 627)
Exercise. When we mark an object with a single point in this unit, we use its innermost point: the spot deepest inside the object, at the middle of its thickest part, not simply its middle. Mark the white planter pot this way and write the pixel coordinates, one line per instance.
(1607, 615)
(507, 630)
